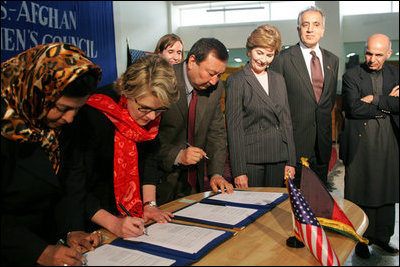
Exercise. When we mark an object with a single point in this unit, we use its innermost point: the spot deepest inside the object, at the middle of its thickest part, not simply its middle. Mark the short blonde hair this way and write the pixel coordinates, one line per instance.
(150, 74)
(264, 36)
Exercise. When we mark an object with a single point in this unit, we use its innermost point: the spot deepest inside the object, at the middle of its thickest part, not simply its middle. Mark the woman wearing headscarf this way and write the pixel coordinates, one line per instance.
(118, 127)
(41, 196)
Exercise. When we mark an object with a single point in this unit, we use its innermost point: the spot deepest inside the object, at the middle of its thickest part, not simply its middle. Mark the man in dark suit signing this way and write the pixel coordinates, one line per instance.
(310, 74)
(190, 153)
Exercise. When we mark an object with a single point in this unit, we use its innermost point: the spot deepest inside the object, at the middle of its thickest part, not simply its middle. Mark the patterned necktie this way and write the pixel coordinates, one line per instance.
(192, 171)
(316, 76)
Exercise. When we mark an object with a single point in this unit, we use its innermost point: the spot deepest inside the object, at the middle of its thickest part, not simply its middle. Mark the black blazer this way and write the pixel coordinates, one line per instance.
(312, 121)
(259, 126)
(357, 83)
(37, 207)
(96, 133)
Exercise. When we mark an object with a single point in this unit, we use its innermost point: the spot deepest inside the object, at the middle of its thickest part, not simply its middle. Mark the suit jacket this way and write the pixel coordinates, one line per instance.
(312, 121)
(37, 206)
(210, 133)
(259, 126)
(357, 83)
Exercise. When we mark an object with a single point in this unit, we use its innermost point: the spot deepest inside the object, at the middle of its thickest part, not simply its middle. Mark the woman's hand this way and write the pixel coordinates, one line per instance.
(289, 170)
(155, 214)
(128, 227)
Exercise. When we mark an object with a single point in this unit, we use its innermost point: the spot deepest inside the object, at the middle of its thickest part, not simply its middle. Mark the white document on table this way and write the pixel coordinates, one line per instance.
(216, 213)
(186, 238)
(248, 197)
(109, 255)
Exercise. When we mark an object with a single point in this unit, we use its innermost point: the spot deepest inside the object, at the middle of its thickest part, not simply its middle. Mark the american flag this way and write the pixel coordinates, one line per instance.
(308, 230)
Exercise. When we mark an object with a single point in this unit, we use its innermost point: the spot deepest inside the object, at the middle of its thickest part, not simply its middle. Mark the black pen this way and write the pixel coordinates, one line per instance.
(189, 145)
(127, 213)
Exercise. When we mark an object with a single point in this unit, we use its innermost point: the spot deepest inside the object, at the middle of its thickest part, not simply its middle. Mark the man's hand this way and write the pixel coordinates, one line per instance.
(54, 255)
(80, 240)
(218, 182)
(367, 99)
(191, 155)
(395, 91)
(241, 181)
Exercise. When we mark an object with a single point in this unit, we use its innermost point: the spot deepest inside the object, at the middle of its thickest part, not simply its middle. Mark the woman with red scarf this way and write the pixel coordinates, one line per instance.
(117, 129)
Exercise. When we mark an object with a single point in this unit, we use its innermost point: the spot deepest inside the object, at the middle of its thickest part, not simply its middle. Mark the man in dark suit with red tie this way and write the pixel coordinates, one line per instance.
(310, 74)
(192, 151)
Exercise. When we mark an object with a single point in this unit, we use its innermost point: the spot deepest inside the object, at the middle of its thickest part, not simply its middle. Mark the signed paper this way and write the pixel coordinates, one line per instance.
(248, 197)
(109, 255)
(186, 238)
(216, 213)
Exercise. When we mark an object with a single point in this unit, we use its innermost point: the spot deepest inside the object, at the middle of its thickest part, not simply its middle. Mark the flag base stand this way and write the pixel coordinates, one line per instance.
(293, 242)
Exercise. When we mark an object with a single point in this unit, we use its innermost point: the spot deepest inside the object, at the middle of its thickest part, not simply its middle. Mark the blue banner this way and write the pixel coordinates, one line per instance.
(88, 25)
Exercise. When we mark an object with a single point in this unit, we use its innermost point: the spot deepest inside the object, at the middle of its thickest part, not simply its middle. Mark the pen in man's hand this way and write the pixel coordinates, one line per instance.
(189, 145)
(127, 213)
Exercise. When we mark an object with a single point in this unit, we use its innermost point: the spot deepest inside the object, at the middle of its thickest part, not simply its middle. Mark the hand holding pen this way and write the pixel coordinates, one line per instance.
(128, 222)
(191, 155)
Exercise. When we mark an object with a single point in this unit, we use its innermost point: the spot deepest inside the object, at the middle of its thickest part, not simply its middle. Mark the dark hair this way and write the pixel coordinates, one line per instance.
(167, 41)
(82, 86)
(203, 47)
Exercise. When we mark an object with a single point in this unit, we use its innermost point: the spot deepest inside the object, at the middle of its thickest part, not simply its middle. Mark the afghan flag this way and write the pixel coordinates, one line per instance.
(325, 208)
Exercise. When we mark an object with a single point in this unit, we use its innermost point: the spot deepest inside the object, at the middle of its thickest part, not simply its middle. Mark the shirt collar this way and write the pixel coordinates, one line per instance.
(306, 51)
(188, 85)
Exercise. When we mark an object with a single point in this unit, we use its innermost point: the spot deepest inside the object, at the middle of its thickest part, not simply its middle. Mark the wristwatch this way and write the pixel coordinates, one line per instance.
(150, 203)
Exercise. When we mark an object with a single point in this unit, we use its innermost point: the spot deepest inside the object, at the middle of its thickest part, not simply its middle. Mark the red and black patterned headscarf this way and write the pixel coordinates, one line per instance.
(31, 83)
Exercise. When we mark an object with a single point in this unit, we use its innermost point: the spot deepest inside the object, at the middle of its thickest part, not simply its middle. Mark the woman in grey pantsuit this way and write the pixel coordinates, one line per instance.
(259, 126)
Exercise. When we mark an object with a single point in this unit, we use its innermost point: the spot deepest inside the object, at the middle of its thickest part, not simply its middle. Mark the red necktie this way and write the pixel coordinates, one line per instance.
(192, 172)
(316, 76)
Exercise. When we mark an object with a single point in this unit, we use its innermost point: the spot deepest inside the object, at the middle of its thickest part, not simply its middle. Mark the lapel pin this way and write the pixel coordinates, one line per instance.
(329, 67)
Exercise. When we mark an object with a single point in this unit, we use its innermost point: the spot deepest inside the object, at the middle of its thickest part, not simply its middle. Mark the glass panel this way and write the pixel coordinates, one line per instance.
(200, 16)
(364, 7)
(249, 15)
(395, 6)
(288, 10)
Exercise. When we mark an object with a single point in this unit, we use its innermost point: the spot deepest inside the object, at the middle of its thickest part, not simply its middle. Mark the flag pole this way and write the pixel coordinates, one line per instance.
(292, 241)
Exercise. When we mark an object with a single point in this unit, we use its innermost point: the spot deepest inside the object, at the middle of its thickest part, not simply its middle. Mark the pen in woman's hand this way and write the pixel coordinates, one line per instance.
(127, 213)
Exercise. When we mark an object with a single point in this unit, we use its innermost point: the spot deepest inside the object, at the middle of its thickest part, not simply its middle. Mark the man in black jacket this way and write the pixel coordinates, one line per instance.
(369, 143)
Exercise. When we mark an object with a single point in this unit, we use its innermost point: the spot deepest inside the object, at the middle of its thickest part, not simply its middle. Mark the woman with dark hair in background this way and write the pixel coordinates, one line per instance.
(170, 46)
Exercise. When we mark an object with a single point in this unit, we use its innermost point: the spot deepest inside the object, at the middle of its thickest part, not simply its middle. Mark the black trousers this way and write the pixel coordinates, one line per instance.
(381, 222)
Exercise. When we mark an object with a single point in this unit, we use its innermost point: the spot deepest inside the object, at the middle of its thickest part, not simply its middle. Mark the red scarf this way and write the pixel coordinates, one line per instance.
(127, 134)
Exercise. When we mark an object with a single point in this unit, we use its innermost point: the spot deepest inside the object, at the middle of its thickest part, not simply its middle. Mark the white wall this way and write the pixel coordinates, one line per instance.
(142, 22)
(358, 28)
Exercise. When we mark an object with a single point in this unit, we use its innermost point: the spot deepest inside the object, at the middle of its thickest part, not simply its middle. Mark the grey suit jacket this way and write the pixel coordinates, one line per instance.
(312, 121)
(259, 125)
(210, 133)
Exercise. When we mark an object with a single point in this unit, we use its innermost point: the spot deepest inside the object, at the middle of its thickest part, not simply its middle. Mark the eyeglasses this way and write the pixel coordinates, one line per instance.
(147, 110)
